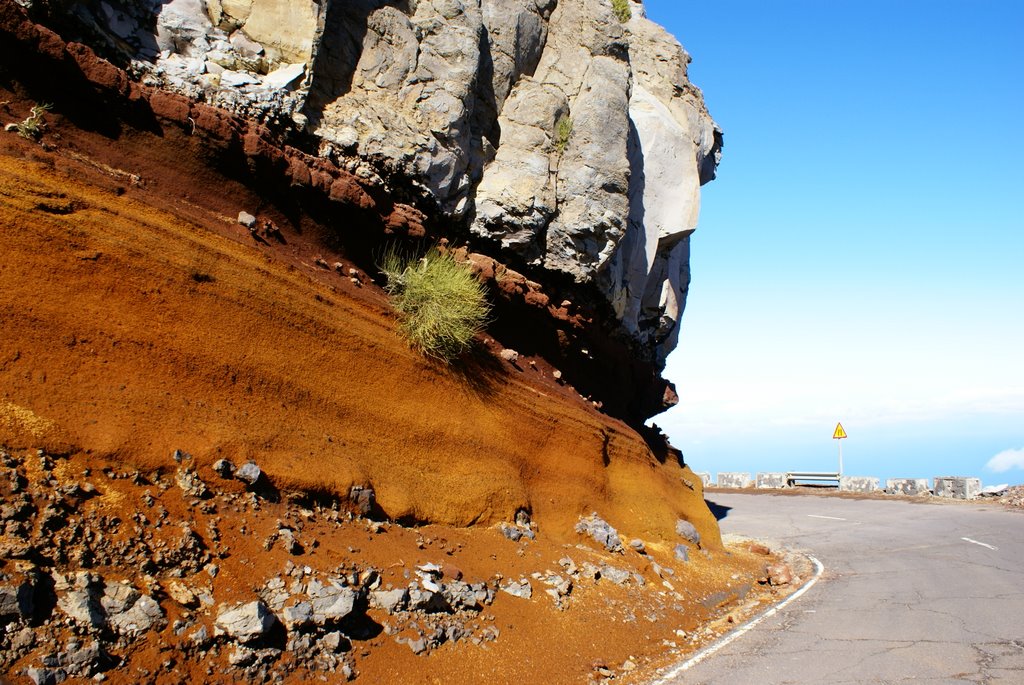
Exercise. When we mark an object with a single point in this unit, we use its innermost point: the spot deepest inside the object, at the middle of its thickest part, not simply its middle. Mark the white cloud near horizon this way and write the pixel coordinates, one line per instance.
(1006, 460)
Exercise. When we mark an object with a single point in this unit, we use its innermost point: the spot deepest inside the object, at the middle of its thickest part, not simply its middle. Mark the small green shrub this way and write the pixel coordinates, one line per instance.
(32, 127)
(563, 129)
(441, 303)
(621, 9)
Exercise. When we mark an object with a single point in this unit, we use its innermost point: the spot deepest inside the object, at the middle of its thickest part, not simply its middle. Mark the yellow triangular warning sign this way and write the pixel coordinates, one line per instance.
(840, 433)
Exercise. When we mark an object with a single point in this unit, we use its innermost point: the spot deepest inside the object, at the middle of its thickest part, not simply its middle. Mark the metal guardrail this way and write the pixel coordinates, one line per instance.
(793, 476)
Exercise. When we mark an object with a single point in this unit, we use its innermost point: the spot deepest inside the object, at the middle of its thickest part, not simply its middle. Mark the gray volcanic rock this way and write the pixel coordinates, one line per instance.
(571, 141)
(244, 622)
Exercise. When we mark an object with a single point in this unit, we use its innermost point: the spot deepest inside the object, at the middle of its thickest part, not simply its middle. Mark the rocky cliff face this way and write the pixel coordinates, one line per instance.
(558, 137)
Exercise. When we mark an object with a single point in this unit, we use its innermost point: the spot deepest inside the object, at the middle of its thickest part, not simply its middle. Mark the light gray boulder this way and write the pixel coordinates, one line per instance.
(390, 600)
(129, 612)
(687, 531)
(244, 622)
(331, 601)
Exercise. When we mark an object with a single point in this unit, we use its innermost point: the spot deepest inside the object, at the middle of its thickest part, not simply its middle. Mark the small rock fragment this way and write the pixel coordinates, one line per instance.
(249, 473)
(247, 219)
(224, 468)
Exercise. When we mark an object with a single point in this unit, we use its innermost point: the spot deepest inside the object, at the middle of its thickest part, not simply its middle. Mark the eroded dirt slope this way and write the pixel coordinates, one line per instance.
(131, 331)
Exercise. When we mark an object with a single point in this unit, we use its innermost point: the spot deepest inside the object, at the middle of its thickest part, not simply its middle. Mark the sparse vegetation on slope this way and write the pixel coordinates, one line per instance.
(563, 129)
(621, 9)
(443, 306)
(32, 126)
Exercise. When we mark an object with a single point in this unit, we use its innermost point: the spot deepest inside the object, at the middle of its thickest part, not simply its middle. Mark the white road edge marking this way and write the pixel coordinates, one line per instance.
(992, 547)
(831, 518)
(715, 646)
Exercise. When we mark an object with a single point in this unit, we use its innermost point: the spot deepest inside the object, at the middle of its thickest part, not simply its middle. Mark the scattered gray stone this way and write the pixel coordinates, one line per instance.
(182, 594)
(249, 473)
(242, 656)
(331, 602)
(390, 600)
(427, 600)
(601, 531)
(244, 622)
(247, 219)
(363, 498)
(334, 642)
(682, 552)
(513, 533)
(201, 637)
(418, 646)
(83, 607)
(224, 468)
(46, 676)
(521, 589)
(460, 595)
(298, 616)
(191, 484)
(638, 546)
(142, 616)
(509, 355)
(616, 575)
(16, 600)
(687, 531)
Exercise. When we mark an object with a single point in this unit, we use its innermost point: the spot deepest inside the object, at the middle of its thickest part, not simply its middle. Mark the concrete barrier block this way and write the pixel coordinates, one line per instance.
(858, 484)
(907, 486)
(771, 480)
(705, 477)
(957, 487)
(734, 480)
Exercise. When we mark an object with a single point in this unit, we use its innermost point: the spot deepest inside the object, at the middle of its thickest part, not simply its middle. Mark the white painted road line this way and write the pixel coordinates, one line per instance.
(715, 646)
(830, 518)
(975, 542)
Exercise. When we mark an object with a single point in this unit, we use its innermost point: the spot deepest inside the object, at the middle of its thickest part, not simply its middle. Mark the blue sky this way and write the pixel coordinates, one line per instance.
(860, 257)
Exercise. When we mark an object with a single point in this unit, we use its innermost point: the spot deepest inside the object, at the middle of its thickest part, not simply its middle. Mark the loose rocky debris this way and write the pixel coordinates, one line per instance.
(83, 591)
(1013, 496)
(601, 531)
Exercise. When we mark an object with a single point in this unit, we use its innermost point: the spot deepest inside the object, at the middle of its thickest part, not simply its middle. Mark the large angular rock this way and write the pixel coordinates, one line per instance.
(129, 612)
(244, 622)
(331, 601)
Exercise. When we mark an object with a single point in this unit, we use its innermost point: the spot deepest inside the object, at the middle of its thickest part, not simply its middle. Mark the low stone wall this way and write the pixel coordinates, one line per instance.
(907, 486)
(771, 480)
(858, 484)
(734, 480)
(705, 478)
(952, 487)
(957, 487)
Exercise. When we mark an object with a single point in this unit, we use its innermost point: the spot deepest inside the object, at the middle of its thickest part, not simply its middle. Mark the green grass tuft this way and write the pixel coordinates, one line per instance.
(441, 303)
(32, 127)
(621, 9)
(563, 129)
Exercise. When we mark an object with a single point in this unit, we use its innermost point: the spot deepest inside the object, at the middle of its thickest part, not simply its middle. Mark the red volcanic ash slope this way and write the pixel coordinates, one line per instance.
(130, 332)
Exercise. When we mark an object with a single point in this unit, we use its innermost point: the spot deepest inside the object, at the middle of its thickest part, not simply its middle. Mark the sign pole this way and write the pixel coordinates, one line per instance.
(839, 434)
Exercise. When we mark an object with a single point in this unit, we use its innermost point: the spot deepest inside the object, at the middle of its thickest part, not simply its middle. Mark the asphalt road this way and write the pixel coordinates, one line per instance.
(910, 593)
